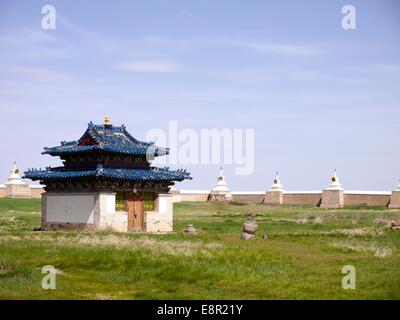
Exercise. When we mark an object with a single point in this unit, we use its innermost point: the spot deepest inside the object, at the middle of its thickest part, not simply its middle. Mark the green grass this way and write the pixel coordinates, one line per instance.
(302, 258)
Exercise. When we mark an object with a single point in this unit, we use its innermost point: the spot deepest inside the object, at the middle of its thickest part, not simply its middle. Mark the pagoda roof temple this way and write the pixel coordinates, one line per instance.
(106, 157)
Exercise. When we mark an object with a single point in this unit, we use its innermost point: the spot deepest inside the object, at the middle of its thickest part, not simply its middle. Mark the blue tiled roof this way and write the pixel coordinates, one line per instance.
(107, 138)
(133, 174)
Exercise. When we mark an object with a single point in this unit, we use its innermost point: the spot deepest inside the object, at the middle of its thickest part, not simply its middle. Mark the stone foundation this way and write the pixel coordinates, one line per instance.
(68, 227)
(395, 200)
(219, 197)
(18, 190)
(273, 197)
(332, 199)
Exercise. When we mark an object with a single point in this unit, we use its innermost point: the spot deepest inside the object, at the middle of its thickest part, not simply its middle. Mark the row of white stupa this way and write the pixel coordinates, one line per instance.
(335, 184)
(16, 187)
(221, 190)
(220, 187)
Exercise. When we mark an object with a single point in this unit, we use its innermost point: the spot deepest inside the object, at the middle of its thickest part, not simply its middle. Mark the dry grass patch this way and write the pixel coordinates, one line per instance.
(357, 232)
(382, 221)
(157, 246)
(378, 250)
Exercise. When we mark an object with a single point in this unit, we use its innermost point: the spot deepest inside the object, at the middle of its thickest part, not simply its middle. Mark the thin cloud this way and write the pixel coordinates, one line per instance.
(26, 36)
(35, 73)
(25, 44)
(114, 45)
(383, 68)
(186, 13)
(286, 49)
(262, 47)
(150, 66)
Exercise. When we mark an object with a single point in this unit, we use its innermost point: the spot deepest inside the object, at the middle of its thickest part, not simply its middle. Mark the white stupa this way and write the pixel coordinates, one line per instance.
(14, 177)
(15, 187)
(398, 186)
(220, 190)
(276, 186)
(335, 184)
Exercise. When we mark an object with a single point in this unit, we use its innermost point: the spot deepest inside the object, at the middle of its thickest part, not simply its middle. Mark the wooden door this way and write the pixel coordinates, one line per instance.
(134, 204)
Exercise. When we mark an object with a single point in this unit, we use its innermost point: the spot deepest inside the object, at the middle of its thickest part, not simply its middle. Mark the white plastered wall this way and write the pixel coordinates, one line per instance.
(160, 220)
(99, 209)
(109, 217)
(70, 208)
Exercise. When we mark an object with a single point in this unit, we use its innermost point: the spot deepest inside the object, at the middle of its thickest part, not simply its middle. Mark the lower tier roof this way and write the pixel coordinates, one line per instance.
(132, 174)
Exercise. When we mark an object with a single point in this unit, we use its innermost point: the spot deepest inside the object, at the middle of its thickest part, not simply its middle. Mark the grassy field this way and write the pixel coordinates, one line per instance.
(302, 258)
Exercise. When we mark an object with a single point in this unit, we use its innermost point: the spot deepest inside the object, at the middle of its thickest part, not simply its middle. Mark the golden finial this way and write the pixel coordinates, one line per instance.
(276, 180)
(106, 120)
(334, 177)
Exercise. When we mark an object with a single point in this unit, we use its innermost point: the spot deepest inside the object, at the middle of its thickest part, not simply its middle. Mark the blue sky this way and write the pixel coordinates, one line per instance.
(317, 96)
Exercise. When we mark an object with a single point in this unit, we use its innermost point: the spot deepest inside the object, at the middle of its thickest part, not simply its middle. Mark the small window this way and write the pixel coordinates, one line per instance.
(148, 201)
(120, 201)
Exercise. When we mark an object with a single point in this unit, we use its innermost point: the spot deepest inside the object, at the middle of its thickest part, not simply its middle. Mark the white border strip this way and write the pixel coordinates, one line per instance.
(194, 191)
(386, 193)
(248, 192)
(302, 192)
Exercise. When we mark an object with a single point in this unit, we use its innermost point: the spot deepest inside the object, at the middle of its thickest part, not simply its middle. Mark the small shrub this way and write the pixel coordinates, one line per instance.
(236, 203)
(383, 252)
(319, 220)
(7, 268)
(302, 220)
(381, 221)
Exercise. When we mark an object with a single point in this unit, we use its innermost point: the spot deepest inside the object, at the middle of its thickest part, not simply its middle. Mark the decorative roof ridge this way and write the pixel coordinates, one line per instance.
(115, 129)
(110, 138)
(67, 143)
(92, 133)
(133, 139)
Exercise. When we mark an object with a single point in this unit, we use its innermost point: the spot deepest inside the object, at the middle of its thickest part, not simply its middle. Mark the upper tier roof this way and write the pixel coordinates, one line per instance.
(107, 138)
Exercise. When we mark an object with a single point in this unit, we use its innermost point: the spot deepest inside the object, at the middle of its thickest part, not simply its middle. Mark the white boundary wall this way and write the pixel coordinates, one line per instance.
(307, 197)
